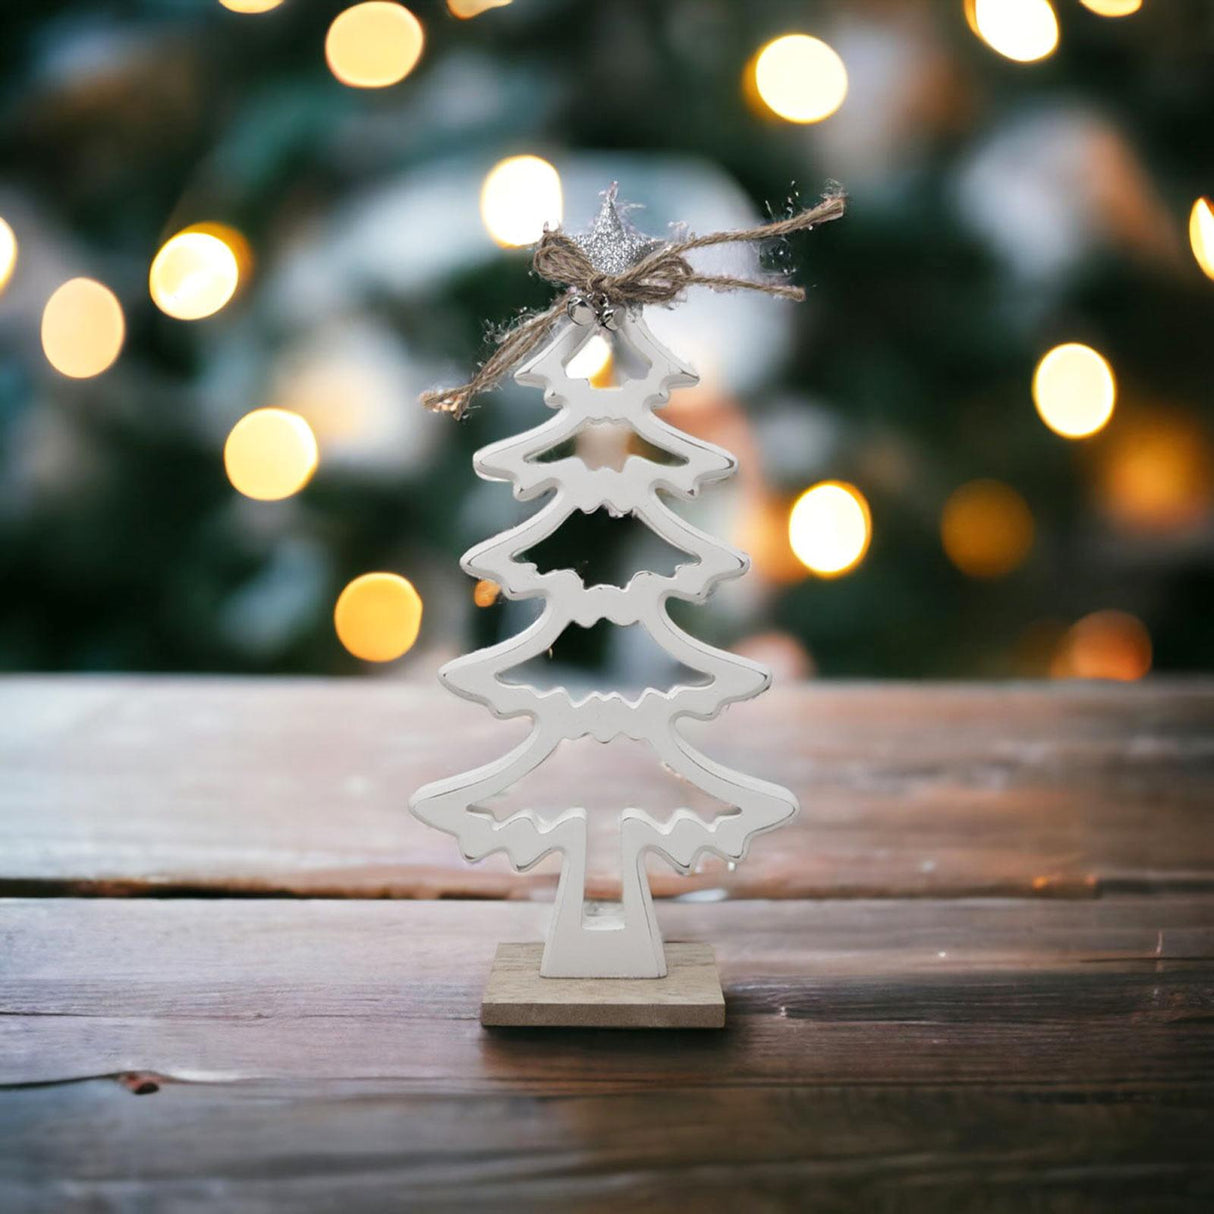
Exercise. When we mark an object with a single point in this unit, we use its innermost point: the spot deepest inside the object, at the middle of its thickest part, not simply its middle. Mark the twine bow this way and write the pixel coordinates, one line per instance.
(592, 297)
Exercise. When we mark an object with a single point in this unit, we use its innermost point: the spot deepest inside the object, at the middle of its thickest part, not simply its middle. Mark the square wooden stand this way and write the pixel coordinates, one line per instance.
(689, 997)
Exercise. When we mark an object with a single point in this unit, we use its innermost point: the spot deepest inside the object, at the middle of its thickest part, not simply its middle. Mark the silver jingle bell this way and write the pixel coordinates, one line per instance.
(608, 318)
(581, 311)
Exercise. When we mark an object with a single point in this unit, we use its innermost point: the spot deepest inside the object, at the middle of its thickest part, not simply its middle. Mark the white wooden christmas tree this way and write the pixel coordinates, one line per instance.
(623, 941)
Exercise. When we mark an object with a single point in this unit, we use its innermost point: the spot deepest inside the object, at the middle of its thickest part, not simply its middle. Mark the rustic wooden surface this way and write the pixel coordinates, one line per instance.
(303, 1055)
(688, 997)
(297, 786)
(894, 1043)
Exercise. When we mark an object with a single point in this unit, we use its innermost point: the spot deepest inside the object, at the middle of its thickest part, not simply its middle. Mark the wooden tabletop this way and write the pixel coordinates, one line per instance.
(978, 972)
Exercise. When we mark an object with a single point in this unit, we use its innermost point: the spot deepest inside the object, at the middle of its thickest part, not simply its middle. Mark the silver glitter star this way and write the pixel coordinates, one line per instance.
(613, 244)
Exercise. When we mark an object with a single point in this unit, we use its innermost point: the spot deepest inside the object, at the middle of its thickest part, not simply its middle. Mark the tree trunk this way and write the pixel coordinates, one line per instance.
(603, 939)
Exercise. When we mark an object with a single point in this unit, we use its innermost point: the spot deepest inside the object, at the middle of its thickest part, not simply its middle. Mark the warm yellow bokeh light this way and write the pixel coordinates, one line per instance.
(1156, 473)
(82, 328)
(1074, 390)
(378, 617)
(1112, 8)
(194, 275)
(829, 528)
(800, 78)
(250, 6)
(519, 197)
(1023, 30)
(1201, 235)
(373, 45)
(234, 239)
(1104, 645)
(761, 531)
(8, 253)
(473, 8)
(485, 593)
(270, 454)
(591, 360)
(986, 528)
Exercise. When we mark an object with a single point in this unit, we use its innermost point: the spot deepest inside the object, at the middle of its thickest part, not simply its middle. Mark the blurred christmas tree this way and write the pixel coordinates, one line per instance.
(1023, 177)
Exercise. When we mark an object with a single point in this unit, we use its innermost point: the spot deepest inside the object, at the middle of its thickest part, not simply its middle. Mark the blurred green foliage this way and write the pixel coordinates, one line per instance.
(121, 546)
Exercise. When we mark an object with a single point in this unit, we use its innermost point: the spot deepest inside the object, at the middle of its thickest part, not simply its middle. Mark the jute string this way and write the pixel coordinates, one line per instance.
(659, 277)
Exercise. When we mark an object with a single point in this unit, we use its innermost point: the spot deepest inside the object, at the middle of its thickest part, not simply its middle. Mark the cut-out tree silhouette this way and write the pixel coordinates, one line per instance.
(622, 941)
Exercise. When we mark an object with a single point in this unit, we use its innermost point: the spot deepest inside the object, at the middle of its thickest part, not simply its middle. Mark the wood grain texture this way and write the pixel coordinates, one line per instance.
(325, 1055)
(270, 787)
(1100, 993)
(688, 997)
(375, 1146)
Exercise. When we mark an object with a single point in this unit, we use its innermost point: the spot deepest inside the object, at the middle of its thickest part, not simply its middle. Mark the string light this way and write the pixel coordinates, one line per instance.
(829, 528)
(8, 253)
(521, 195)
(1201, 235)
(270, 454)
(799, 78)
(82, 328)
(1112, 8)
(378, 617)
(1023, 30)
(986, 528)
(466, 9)
(485, 593)
(1074, 390)
(1104, 645)
(374, 45)
(194, 274)
(250, 6)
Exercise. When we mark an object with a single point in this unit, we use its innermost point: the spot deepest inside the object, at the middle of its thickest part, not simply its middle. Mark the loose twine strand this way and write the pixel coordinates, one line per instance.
(659, 277)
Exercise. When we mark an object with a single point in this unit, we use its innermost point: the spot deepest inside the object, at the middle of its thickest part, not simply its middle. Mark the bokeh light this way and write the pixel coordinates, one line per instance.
(1201, 235)
(1156, 473)
(194, 275)
(486, 592)
(592, 360)
(799, 78)
(761, 531)
(1023, 30)
(250, 6)
(373, 45)
(1104, 645)
(521, 195)
(8, 253)
(378, 616)
(234, 239)
(986, 528)
(473, 8)
(1074, 390)
(1112, 8)
(82, 328)
(270, 454)
(829, 528)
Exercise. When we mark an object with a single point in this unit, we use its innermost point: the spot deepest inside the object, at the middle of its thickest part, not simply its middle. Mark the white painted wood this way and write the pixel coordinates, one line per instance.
(590, 940)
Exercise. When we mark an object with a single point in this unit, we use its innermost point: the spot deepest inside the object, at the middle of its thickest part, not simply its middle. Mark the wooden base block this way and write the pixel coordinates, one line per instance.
(689, 997)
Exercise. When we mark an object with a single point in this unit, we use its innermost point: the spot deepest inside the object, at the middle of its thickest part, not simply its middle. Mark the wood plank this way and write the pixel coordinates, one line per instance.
(373, 1146)
(168, 785)
(304, 1055)
(688, 997)
(1103, 994)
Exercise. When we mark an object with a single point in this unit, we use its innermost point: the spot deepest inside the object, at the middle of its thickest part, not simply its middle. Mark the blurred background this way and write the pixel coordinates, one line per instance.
(238, 238)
